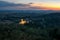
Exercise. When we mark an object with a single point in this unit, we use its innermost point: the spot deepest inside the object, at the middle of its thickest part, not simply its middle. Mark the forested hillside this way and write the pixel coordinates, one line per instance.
(41, 27)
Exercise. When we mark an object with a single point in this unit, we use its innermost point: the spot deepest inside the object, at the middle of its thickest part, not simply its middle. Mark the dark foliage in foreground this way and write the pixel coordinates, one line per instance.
(43, 27)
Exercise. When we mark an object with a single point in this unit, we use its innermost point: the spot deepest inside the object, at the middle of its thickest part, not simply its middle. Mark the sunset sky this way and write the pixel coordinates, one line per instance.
(44, 4)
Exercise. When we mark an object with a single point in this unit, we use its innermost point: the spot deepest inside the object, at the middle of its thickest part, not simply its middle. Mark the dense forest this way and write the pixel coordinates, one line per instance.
(41, 27)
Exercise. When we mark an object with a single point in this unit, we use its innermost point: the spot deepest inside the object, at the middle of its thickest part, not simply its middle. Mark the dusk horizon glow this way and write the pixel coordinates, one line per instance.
(44, 4)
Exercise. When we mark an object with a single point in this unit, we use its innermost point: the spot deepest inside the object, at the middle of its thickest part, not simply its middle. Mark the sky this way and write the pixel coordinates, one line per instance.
(44, 4)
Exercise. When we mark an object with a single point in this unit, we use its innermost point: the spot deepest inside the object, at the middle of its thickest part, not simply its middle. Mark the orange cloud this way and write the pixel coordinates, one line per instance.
(47, 6)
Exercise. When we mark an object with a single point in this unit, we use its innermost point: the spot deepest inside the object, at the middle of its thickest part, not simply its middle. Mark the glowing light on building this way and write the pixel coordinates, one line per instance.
(22, 22)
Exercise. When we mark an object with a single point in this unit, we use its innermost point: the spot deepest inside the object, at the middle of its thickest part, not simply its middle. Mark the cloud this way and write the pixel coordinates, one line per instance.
(30, 6)
(5, 4)
(12, 6)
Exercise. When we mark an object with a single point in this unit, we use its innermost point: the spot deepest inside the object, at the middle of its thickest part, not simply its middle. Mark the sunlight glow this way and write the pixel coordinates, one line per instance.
(47, 6)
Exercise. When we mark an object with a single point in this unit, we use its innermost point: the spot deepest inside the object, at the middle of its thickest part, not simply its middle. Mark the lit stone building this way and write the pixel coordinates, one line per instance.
(22, 22)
